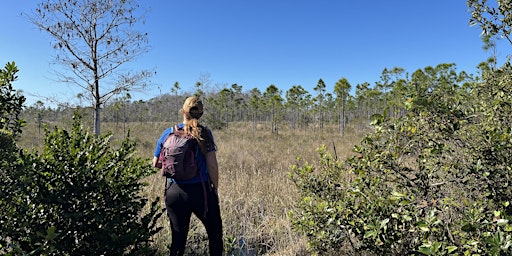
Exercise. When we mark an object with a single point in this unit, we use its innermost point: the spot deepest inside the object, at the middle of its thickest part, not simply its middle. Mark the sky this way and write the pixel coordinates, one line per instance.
(258, 43)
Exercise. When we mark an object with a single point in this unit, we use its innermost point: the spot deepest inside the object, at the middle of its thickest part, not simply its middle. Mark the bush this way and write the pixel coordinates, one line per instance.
(11, 102)
(79, 196)
(434, 182)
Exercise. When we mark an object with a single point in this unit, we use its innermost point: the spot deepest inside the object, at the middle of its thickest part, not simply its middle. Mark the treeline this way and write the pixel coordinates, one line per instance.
(294, 108)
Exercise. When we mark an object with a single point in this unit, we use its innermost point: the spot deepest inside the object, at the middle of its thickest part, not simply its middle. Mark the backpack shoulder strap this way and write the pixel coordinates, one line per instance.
(180, 132)
(176, 130)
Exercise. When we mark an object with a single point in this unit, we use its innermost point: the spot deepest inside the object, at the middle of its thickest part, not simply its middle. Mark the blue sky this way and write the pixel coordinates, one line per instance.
(259, 43)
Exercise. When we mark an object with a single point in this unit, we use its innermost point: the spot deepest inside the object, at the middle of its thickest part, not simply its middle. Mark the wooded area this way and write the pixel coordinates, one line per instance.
(296, 108)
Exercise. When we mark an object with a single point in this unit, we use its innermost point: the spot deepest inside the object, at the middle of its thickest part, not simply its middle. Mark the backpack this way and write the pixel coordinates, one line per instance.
(178, 156)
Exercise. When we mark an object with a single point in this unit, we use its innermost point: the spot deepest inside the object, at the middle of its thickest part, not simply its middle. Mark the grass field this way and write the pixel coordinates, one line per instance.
(255, 191)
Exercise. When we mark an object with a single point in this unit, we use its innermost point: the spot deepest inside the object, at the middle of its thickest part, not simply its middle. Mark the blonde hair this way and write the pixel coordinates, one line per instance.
(193, 110)
(193, 128)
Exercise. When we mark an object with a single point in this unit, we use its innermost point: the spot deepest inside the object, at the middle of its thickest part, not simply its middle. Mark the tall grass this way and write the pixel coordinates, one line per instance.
(255, 191)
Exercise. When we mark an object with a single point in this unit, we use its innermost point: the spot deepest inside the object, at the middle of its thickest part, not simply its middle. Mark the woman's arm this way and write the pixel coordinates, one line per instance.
(213, 168)
(155, 161)
(159, 145)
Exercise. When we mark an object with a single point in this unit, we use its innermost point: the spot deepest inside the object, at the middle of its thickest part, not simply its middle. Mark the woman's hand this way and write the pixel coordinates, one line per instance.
(155, 163)
(213, 168)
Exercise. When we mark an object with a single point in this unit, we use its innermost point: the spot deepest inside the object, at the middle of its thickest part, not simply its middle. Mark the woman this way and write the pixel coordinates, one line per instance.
(199, 194)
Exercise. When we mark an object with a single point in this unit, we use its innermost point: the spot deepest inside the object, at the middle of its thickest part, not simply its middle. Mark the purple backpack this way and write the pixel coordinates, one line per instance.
(178, 156)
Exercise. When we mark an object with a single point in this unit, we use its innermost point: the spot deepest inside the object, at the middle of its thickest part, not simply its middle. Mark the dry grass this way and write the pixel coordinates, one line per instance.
(255, 191)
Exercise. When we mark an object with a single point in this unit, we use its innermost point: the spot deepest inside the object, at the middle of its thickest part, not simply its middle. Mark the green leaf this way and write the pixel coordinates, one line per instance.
(384, 223)
(468, 227)
(407, 217)
(423, 227)
(370, 233)
(501, 222)
(425, 249)
(451, 248)
(50, 234)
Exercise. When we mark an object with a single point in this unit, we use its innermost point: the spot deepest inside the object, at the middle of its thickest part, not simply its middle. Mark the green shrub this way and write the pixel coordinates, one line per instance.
(11, 102)
(80, 196)
(433, 182)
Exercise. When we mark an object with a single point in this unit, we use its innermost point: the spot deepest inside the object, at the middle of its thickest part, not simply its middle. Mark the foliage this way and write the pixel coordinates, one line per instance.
(78, 197)
(435, 181)
(11, 102)
(297, 100)
(495, 20)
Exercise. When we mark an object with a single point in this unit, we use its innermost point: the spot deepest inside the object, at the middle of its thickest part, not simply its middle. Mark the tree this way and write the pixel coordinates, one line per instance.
(495, 21)
(320, 90)
(203, 84)
(255, 103)
(342, 89)
(175, 90)
(239, 102)
(296, 99)
(273, 101)
(362, 99)
(389, 80)
(384, 85)
(93, 40)
(225, 101)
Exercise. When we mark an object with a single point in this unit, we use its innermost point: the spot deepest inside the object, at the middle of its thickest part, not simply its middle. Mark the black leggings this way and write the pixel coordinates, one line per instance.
(181, 200)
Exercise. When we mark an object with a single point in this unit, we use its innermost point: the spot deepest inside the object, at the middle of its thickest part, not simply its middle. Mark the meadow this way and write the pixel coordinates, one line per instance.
(256, 193)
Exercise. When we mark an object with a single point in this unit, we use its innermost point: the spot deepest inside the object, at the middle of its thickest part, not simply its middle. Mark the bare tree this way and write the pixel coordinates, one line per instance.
(93, 39)
(203, 84)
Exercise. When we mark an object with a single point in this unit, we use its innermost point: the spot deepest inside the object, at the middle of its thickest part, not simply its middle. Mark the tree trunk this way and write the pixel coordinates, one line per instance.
(343, 119)
(97, 120)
